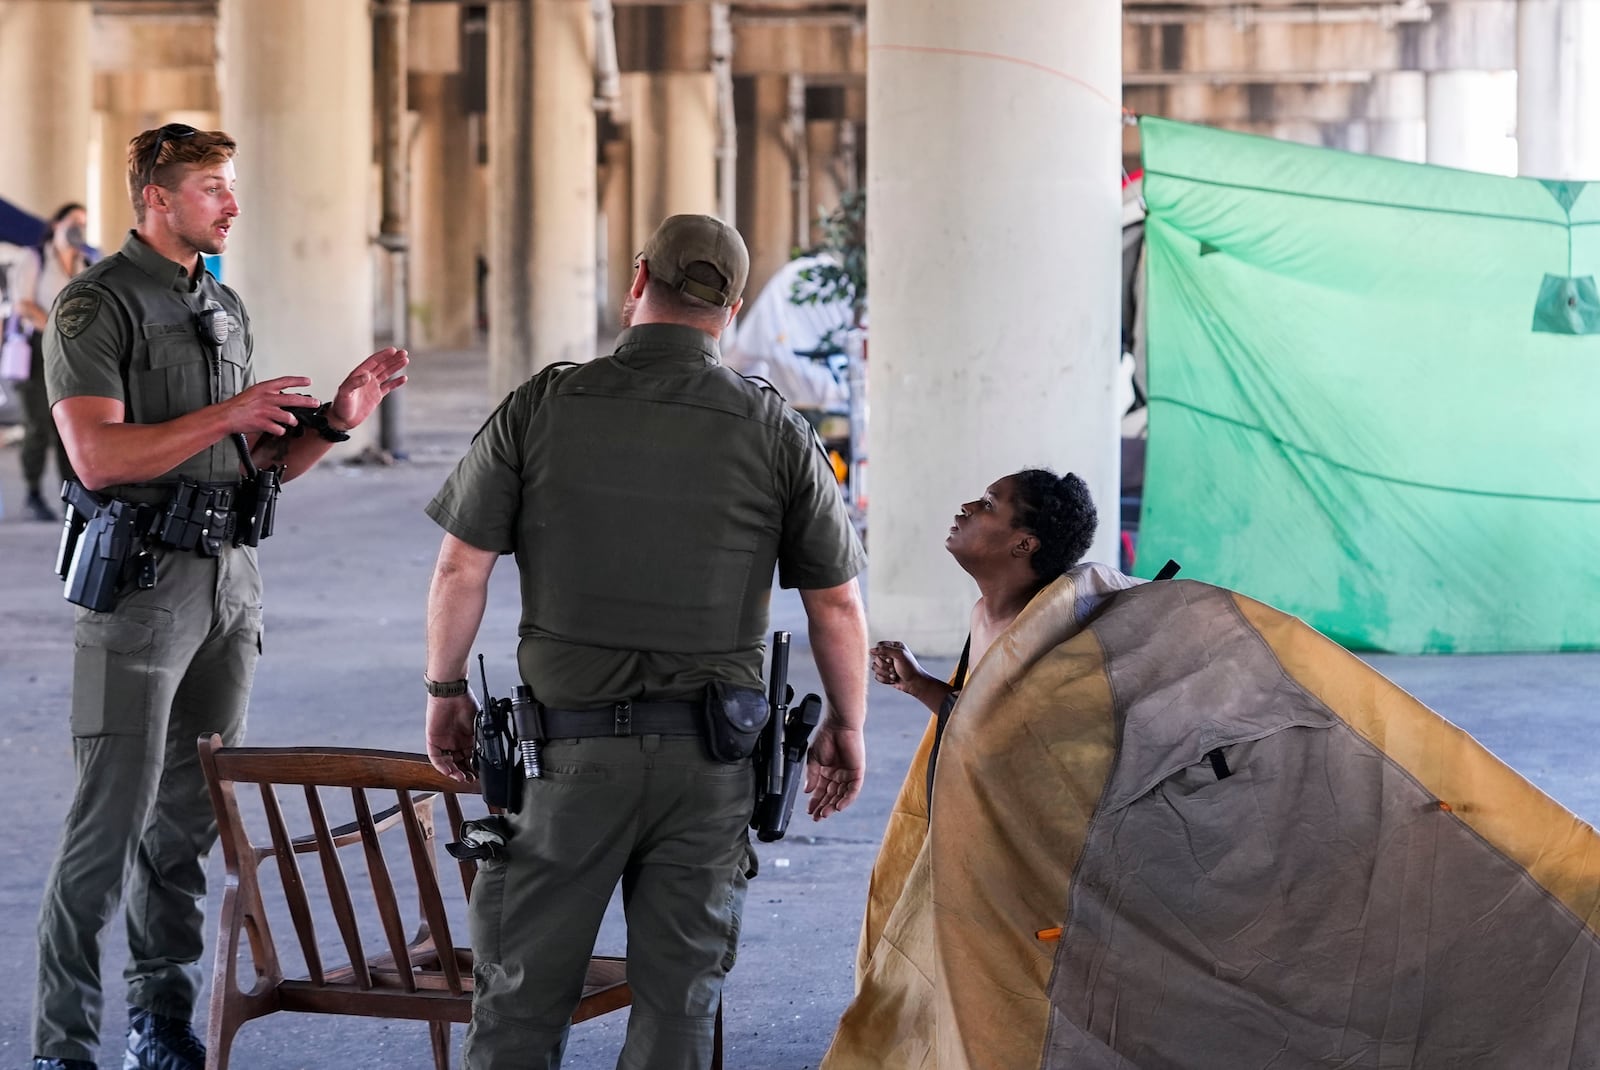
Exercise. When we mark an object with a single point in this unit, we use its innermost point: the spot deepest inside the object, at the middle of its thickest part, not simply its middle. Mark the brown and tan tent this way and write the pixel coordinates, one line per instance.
(1175, 828)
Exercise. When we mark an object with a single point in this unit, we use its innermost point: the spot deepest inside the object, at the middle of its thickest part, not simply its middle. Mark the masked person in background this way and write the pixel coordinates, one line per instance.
(63, 253)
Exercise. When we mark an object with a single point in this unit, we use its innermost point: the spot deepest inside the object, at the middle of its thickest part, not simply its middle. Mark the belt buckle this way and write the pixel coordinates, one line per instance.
(622, 718)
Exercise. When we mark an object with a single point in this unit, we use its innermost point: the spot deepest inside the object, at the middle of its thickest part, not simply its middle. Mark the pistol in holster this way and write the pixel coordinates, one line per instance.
(101, 548)
(774, 808)
(780, 756)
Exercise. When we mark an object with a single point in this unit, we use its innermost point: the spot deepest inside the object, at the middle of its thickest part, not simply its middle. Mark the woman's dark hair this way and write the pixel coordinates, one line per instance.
(1060, 513)
(61, 213)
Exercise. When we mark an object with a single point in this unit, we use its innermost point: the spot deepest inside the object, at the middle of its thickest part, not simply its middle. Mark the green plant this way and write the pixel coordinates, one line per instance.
(840, 273)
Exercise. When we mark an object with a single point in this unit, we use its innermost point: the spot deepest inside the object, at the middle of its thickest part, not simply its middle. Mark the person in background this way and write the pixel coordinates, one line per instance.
(62, 253)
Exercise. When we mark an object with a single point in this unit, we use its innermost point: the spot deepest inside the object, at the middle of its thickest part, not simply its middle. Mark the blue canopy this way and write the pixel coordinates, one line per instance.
(19, 227)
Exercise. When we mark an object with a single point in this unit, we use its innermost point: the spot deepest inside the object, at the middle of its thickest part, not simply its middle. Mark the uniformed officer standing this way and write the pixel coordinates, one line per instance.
(143, 403)
(648, 496)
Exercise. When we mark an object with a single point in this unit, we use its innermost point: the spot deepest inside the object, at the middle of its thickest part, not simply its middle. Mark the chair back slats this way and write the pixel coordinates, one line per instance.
(294, 889)
(469, 869)
(241, 863)
(349, 832)
(412, 973)
(425, 865)
(344, 911)
(382, 887)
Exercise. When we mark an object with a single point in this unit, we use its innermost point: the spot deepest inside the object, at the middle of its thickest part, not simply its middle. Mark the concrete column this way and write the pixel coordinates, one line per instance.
(672, 118)
(443, 245)
(1558, 89)
(616, 210)
(542, 188)
(47, 86)
(1472, 119)
(1398, 139)
(674, 153)
(994, 258)
(297, 96)
(766, 190)
(1396, 116)
(111, 215)
(829, 173)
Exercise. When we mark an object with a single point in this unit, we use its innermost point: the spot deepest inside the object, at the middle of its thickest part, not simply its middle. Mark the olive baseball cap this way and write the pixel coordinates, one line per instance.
(684, 240)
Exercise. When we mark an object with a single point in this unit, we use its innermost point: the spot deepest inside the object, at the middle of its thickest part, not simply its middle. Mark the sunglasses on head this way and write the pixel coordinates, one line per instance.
(169, 132)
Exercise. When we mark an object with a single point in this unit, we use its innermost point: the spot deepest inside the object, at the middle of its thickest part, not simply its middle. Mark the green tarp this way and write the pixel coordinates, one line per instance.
(1373, 392)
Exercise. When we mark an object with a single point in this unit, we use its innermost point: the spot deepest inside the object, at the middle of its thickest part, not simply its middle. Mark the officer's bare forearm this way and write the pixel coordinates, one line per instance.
(838, 630)
(456, 600)
(105, 450)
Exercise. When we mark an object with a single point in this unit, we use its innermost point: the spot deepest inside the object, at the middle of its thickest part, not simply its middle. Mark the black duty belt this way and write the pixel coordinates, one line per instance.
(681, 718)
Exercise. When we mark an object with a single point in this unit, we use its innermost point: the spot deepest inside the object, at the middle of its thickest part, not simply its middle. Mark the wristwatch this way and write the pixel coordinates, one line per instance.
(319, 423)
(444, 688)
(317, 420)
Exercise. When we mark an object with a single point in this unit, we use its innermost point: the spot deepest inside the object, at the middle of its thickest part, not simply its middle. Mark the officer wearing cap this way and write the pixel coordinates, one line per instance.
(648, 496)
(144, 398)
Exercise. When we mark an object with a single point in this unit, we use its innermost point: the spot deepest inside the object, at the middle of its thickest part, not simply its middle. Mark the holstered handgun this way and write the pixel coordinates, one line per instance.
(780, 757)
(773, 809)
(81, 505)
(100, 551)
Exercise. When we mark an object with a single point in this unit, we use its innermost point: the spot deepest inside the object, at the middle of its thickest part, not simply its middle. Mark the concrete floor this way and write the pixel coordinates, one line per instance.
(346, 579)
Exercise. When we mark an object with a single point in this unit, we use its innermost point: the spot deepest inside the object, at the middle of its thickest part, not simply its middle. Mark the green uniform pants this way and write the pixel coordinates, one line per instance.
(165, 666)
(660, 816)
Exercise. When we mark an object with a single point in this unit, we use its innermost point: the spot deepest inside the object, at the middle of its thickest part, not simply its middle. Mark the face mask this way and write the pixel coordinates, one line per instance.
(74, 236)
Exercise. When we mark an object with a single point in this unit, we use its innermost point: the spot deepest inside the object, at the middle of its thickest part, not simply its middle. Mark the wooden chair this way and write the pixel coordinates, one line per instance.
(423, 977)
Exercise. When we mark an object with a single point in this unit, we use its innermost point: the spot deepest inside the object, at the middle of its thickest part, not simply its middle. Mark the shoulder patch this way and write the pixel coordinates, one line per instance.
(76, 312)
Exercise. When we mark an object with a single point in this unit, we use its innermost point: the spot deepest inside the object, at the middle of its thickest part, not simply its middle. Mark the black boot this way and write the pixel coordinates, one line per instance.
(41, 1063)
(156, 1042)
(37, 508)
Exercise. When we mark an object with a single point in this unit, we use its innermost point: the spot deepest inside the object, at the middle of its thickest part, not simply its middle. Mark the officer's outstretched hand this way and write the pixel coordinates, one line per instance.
(449, 735)
(835, 768)
(366, 385)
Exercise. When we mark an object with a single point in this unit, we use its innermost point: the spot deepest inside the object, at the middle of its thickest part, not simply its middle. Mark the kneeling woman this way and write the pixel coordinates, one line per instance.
(1026, 530)
(1020, 535)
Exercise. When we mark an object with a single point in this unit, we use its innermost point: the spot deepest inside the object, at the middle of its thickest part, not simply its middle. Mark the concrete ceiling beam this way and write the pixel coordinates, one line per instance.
(1245, 16)
(1243, 78)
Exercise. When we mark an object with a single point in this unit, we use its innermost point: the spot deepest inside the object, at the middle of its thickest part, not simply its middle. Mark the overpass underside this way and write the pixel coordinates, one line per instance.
(420, 170)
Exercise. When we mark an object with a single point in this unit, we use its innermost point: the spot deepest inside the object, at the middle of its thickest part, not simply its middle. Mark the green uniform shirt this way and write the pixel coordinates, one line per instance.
(648, 497)
(126, 328)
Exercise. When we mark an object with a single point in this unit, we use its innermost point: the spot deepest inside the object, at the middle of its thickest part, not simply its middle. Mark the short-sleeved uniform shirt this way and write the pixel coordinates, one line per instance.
(648, 497)
(127, 328)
